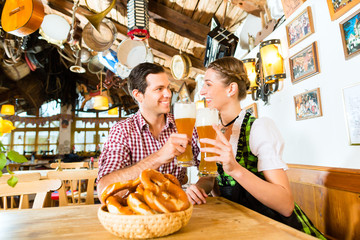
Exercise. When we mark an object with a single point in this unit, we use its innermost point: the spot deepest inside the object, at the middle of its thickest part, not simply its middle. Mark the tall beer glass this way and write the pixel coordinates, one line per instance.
(205, 118)
(185, 114)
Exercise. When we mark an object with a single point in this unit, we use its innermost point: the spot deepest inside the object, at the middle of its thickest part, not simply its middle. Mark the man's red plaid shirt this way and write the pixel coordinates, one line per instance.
(130, 141)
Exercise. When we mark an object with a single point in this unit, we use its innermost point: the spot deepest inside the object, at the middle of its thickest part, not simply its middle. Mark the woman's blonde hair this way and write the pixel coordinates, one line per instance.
(232, 70)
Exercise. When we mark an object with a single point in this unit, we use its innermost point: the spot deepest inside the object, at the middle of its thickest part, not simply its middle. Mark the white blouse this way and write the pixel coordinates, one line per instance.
(265, 142)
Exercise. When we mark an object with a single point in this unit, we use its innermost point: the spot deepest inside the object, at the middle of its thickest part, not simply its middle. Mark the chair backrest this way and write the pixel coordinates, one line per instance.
(22, 189)
(70, 165)
(23, 177)
(78, 185)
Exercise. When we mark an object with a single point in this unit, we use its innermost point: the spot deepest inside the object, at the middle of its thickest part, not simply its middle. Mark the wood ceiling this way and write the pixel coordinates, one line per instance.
(175, 25)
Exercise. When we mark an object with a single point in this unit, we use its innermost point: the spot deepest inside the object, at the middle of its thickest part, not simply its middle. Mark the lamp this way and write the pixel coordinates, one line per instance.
(8, 109)
(113, 111)
(269, 69)
(249, 65)
(101, 102)
(138, 19)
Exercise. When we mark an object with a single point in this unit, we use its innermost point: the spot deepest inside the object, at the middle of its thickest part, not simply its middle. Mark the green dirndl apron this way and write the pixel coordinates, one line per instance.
(233, 191)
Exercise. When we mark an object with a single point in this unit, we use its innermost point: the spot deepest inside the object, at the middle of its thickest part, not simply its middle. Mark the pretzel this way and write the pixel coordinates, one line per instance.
(117, 187)
(161, 194)
(140, 189)
(173, 179)
(114, 206)
(138, 205)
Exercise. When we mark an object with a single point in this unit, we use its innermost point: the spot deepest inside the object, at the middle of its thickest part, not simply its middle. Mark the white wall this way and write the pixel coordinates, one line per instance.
(321, 141)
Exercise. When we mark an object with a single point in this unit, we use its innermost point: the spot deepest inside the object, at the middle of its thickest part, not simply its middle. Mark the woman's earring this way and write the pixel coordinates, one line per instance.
(228, 95)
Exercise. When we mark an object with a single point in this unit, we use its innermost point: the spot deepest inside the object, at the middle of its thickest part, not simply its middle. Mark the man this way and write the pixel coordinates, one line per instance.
(148, 139)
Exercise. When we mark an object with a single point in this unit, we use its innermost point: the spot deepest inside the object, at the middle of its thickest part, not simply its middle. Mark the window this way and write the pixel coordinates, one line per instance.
(36, 136)
(90, 131)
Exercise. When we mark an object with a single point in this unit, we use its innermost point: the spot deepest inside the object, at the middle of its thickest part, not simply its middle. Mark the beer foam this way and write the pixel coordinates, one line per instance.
(207, 117)
(187, 110)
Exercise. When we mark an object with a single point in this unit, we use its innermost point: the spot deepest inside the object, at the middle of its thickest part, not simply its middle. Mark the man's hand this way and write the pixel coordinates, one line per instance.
(174, 146)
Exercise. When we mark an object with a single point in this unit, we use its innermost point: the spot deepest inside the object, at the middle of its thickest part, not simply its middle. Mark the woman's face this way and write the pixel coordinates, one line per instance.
(214, 90)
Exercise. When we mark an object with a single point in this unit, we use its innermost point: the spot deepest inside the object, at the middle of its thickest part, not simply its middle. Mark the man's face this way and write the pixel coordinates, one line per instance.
(157, 96)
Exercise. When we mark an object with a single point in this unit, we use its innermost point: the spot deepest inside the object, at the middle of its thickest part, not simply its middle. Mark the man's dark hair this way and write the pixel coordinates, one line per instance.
(137, 77)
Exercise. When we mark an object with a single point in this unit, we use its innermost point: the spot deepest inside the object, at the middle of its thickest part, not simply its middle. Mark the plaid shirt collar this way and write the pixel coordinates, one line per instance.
(143, 124)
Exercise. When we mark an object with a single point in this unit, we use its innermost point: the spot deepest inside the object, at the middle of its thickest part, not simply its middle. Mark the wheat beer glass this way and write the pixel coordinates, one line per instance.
(205, 118)
(185, 114)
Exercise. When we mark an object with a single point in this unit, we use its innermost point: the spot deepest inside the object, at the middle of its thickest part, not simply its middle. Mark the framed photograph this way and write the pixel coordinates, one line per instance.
(300, 28)
(351, 98)
(290, 6)
(350, 35)
(304, 64)
(252, 108)
(338, 7)
(308, 105)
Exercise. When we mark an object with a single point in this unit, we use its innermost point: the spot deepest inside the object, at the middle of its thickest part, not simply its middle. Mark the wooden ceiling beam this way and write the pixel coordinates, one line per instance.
(174, 21)
(160, 49)
(253, 7)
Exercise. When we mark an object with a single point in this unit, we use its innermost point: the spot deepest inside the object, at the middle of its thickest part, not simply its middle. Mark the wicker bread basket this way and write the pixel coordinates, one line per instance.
(144, 226)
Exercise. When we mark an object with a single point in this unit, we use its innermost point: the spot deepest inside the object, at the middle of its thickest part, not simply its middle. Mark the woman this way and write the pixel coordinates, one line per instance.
(249, 150)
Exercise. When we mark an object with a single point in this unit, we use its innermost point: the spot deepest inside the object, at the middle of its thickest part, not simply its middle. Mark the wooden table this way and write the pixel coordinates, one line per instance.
(37, 163)
(217, 219)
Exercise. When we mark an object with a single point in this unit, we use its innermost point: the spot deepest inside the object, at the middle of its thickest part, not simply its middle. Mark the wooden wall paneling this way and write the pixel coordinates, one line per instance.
(342, 211)
(338, 178)
(330, 197)
(302, 197)
(320, 198)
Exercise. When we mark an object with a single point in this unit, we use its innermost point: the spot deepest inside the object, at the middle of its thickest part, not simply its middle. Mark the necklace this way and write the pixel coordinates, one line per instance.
(223, 129)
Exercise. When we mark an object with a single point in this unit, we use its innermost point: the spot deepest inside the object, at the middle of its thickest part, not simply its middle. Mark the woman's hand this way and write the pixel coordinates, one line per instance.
(223, 149)
(196, 195)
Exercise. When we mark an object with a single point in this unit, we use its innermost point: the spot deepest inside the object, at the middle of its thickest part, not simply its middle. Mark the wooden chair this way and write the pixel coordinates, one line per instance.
(23, 189)
(26, 177)
(70, 165)
(74, 187)
(96, 164)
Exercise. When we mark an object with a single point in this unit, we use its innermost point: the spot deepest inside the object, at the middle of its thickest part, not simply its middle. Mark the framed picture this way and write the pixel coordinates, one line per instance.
(350, 35)
(351, 98)
(300, 28)
(252, 108)
(338, 7)
(289, 6)
(304, 64)
(308, 105)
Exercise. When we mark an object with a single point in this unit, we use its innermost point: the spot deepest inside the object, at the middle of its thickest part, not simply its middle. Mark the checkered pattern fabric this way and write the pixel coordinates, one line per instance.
(130, 141)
